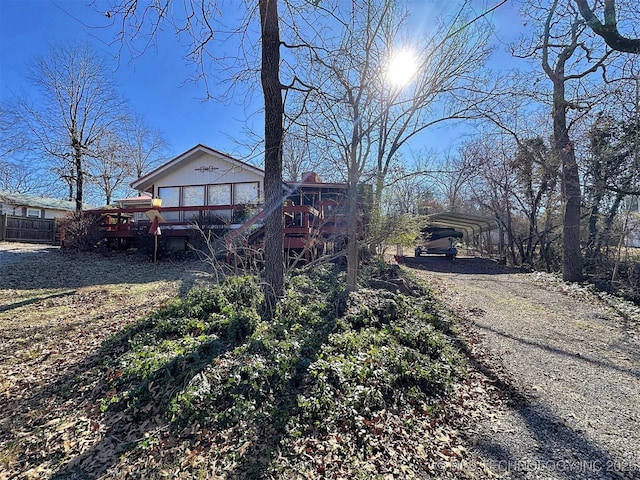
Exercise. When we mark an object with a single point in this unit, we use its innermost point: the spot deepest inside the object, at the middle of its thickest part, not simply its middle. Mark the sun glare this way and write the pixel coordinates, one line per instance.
(402, 68)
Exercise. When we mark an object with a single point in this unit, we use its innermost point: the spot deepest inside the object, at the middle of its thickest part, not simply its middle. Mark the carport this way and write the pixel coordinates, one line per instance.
(472, 226)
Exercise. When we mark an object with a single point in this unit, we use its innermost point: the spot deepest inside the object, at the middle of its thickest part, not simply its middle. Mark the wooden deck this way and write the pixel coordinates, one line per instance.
(307, 231)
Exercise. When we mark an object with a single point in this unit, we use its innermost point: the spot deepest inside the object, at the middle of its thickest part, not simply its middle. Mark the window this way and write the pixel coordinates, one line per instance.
(246, 193)
(193, 196)
(219, 194)
(33, 213)
(170, 198)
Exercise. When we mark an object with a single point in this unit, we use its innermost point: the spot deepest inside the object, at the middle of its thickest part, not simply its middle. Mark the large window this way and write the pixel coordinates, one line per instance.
(219, 194)
(170, 198)
(193, 196)
(246, 193)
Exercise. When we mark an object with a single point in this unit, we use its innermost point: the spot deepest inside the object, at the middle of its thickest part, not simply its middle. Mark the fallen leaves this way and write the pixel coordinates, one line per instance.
(53, 334)
(50, 335)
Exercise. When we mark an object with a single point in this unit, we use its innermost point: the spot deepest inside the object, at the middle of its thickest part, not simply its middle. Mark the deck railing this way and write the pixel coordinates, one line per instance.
(305, 227)
(124, 222)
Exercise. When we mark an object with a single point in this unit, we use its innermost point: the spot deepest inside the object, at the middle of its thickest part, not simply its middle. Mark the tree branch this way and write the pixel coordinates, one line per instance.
(609, 29)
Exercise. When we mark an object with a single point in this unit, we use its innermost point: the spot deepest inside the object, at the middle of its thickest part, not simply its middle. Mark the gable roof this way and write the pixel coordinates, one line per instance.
(147, 180)
(21, 200)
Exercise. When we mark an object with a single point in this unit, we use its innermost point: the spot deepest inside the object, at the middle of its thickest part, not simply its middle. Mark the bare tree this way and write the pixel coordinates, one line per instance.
(453, 175)
(146, 148)
(567, 52)
(612, 172)
(77, 105)
(366, 120)
(491, 185)
(344, 114)
(110, 167)
(13, 141)
(529, 173)
(535, 193)
(15, 175)
(608, 29)
(15, 178)
(299, 156)
(407, 191)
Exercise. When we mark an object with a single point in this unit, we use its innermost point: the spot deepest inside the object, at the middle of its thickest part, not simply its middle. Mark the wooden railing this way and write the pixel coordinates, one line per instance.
(122, 222)
(305, 227)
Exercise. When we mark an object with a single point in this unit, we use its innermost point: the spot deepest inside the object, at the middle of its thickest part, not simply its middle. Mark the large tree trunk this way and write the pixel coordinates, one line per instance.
(77, 156)
(571, 254)
(273, 133)
(352, 236)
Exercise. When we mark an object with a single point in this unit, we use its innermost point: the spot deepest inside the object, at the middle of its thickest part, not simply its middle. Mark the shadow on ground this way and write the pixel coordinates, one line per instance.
(459, 265)
(529, 438)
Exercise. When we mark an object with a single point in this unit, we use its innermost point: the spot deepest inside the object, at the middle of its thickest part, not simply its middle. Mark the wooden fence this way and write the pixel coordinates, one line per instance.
(28, 230)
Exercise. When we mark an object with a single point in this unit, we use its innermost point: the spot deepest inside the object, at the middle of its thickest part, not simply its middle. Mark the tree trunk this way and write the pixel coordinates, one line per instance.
(571, 254)
(273, 133)
(594, 215)
(510, 238)
(77, 154)
(69, 181)
(376, 217)
(352, 237)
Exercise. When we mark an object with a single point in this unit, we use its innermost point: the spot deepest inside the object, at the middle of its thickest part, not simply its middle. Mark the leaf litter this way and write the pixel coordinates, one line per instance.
(57, 313)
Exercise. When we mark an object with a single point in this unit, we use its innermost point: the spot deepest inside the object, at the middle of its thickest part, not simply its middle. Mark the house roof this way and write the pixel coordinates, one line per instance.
(21, 200)
(315, 185)
(467, 223)
(147, 180)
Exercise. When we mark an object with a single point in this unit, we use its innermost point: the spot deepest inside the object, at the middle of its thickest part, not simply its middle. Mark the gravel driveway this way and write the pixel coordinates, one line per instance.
(566, 366)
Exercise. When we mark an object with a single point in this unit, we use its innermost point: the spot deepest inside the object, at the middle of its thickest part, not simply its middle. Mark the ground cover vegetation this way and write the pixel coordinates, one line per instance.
(124, 376)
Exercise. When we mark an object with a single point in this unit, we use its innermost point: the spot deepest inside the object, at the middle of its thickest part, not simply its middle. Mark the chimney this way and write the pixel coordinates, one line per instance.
(311, 177)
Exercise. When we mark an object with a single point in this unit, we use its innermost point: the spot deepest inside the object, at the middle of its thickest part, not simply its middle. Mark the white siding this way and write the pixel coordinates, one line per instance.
(48, 213)
(20, 211)
(206, 169)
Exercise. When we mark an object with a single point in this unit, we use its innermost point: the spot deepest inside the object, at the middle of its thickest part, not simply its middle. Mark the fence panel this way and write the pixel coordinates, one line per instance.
(28, 230)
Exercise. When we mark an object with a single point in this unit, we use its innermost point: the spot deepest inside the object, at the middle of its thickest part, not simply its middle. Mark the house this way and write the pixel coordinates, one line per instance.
(25, 218)
(20, 205)
(199, 177)
(206, 187)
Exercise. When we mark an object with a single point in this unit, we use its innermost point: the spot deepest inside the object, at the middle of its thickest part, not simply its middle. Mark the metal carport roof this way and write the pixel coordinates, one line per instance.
(467, 223)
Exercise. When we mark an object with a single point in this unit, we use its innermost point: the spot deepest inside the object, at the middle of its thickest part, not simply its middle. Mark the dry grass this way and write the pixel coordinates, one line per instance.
(56, 310)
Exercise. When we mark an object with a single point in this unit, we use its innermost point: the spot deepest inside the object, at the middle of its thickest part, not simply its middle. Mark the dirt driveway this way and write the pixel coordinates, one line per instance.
(11, 252)
(565, 362)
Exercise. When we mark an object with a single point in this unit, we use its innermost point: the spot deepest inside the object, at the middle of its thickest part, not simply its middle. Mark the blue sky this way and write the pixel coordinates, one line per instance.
(156, 83)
